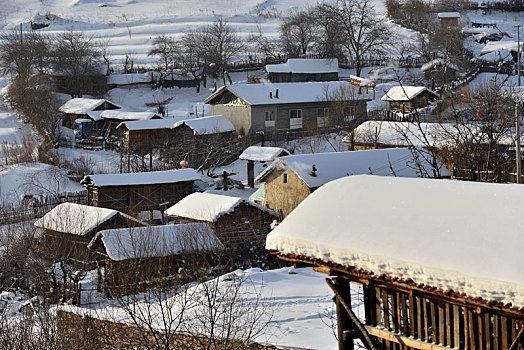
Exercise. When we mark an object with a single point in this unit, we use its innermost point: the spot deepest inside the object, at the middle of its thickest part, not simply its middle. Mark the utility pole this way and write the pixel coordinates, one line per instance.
(517, 126)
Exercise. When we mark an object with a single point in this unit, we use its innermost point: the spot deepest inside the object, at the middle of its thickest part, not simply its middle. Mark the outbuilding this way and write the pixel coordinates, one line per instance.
(436, 264)
(289, 180)
(237, 222)
(133, 258)
(69, 227)
(133, 193)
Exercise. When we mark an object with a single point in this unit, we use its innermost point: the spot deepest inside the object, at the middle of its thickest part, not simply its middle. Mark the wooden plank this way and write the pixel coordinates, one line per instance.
(456, 326)
(487, 330)
(403, 340)
(369, 304)
(412, 321)
(441, 323)
(378, 307)
(404, 309)
(504, 332)
(434, 325)
(518, 338)
(426, 319)
(472, 332)
(344, 323)
(368, 343)
(385, 307)
(466, 328)
(420, 314)
(496, 333)
(395, 311)
(447, 315)
(480, 327)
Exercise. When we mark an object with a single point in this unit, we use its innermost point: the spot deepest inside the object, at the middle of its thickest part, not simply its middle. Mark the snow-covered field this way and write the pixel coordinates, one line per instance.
(297, 303)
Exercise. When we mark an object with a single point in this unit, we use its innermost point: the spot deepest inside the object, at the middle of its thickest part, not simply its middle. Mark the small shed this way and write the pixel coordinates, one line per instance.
(199, 140)
(436, 263)
(110, 119)
(79, 108)
(303, 70)
(236, 221)
(260, 154)
(406, 99)
(130, 81)
(69, 227)
(374, 134)
(136, 192)
(131, 256)
(439, 71)
(448, 19)
(145, 135)
(289, 180)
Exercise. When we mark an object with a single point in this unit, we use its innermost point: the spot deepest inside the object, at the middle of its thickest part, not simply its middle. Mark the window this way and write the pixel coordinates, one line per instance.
(295, 118)
(270, 116)
(285, 178)
(295, 113)
(349, 113)
(322, 117)
(270, 119)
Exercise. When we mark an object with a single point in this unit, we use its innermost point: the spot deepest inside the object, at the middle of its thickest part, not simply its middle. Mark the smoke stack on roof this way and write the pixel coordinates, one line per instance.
(314, 171)
(276, 93)
(271, 94)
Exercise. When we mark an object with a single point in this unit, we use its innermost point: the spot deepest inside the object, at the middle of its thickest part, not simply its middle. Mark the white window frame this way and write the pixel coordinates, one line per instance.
(270, 119)
(295, 122)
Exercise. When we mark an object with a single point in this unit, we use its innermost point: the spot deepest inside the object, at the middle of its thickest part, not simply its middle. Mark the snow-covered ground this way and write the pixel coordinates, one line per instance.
(297, 303)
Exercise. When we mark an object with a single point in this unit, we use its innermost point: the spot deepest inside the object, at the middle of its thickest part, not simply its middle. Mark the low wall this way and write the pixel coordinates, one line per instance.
(114, 335)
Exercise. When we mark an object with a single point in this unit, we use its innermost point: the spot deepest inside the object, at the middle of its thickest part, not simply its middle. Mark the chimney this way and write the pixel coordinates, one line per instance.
(251, 174)
(276, 94)
(314, 171)
(271, 94)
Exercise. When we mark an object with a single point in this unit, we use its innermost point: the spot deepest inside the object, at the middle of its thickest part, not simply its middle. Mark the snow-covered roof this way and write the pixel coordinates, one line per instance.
(119, 114)
(437, 62)
(305, 65)
(448, 15)
(510, 45)
(262, 154)
(258, 94)
(158, 241)
(209, 206)
(82, 105)
(166, 123)
(126, 79)
(215, 124)
(452, 235)
(404, 93)
(147, 178)
(78, 219)
(501, 55)
(401, 162)
(404, 134)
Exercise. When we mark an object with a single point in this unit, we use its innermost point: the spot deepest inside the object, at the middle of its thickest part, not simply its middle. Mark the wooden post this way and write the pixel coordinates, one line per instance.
(343, 321)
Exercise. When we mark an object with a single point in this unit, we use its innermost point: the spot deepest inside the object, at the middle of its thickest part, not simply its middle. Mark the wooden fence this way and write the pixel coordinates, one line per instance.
(36, 207)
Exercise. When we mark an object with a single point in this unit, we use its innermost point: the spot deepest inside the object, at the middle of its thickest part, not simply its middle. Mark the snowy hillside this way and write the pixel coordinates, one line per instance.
(128, 26)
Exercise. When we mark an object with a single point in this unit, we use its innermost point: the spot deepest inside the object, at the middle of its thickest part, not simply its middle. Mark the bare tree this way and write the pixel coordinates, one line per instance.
(298, 33)
(481, 143)
(363, 30)
(166, 49)
(78, 58)
(23, 54)
(215, 43)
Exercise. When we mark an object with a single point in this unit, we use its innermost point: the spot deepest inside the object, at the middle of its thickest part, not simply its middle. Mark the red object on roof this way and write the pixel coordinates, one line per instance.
(506, 34)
